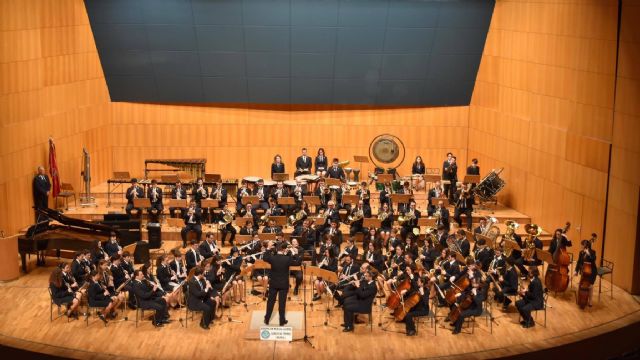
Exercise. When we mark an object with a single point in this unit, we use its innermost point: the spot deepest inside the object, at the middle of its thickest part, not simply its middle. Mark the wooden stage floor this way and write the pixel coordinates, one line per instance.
(24, 305)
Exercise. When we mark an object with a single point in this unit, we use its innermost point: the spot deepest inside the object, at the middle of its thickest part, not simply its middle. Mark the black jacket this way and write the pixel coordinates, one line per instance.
(196, 293)
(321, 163)
(303, 164)
(365, 294)
(335, 173)
(279, 269)
(41, 185)
(96, 293)
(534, 294)
(192, 258)
(197, 217)
(205, 249)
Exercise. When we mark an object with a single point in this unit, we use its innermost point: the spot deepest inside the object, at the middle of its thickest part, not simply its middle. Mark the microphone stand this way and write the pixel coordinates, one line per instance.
(306, 338)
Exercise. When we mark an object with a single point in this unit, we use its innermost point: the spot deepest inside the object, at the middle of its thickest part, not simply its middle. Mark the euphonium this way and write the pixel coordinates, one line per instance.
(511, 229)
(382, 216)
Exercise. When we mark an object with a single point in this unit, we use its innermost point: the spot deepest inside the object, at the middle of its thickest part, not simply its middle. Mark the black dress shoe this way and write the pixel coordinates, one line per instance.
(316, 297)
(295, 292)
(347, 329)
(411, 333)
(456, 332)
(343, 325)
(358, 321)
(104, 320)
(284, 323)
(266, 321)
(522, 322)
(206, 327)
(157, 324)
(529, 325)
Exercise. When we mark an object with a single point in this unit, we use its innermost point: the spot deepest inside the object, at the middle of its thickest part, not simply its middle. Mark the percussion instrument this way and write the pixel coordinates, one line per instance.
(356, 175)
(308, 177)
(348, 171)
(252, 179)
(293, 183)
(490, 185)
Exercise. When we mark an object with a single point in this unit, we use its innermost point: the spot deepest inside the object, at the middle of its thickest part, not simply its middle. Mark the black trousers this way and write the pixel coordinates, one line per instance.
(271, 301)
(409, 320)
(208, 308)
(154, 212)
(450, 189)
(160, 307)
(351, 307)
(465, 314)
(457, 217)
(197, 228)
(130, 207)
(298, 276)
(354, 229)
(228, 229)
(525, 308)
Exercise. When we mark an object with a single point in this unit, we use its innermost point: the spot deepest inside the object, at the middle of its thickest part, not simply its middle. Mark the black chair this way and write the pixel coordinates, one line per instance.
(606, 269)
(188, 311)
(545, 299)
(94, 309)
(370, 319)
(140, 310)
(432, 317)
(59, 306)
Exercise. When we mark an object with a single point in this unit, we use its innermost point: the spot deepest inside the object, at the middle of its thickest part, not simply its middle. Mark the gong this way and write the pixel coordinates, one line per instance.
(387, 151)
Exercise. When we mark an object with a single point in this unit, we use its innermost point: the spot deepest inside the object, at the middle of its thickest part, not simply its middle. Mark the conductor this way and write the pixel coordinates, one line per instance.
(279, 280)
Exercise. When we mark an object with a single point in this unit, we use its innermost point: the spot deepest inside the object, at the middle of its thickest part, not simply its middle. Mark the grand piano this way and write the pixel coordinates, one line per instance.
(57, 233)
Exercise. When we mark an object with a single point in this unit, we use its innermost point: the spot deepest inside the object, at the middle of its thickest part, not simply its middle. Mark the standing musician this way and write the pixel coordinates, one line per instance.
(420, 286)
(193, 257)
(145, 292)
(180, 193)
(532, 298)
(279, 281)
(508, 280)
(233, 267)
(450, 172)
(99, 296)
(436, 192)
(418, 168)
(442, 216)
(249, 214)
(587, 254)
(263, 195)
(177, 266)
(464, 206)
(277, 167)
(112, 247)
(362, 302)
(412, 215)
(335, 171)
(41, 189)
(478, 294)
(303, 164)
(133, 192)
(321, 163)
(559, 240)
(328, 262)
(199, 298)
(62, 293)
(154, 193)
(364, 194)
(192, 222)
(243, 191)
(208, 248)
(357, 216)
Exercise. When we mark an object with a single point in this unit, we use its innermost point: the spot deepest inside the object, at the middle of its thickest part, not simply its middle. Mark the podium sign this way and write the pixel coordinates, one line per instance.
(276, 333)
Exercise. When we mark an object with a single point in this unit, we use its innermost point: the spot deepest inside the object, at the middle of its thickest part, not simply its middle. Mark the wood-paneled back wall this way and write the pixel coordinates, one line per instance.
(243, 141)
(51, 84)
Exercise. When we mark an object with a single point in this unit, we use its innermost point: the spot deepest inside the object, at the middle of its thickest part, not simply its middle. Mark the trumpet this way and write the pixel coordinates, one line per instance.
(260, 194)
(202, 191)
(218, 193)
(265, 218)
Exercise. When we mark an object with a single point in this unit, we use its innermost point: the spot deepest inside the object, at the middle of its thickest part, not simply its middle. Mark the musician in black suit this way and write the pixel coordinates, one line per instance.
(434, 193)
(218, 192)
(277, 167)
(413, 215)
(303, 164)
(262, 192)
(362, 301)
(248, 213)
(360, 212)
(587, 254)
(385, 196)
(330, 214)
(177, 265)
(335, 171)
(120, 275)
(532, 298)
(508, 284)
(308, 235)
(559, 240)
(192, 222)
(154, 193)
(78, 268)
(243, 191)
(450, 172)
(199, 192)
(442, 216)
(144, 292)
(478, 292)
(464, 206)
(193, 257)
(483, 253)
(133, 192)
(178, 192)
(321, 163)
(351, 250)
(482, 227)
(98, 296)
(208, 248)
(98, 253)
(473, 169)
(463, 243)
(41, 188)
(279, 280)
(199, 299)
(334, 232)
(421, 308)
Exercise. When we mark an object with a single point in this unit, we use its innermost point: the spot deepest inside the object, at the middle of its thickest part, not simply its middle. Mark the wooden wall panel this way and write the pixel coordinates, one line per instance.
(51, 84)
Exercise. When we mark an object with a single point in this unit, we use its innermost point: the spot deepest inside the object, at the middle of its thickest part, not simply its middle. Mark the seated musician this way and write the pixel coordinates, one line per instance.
(451, 269)
(418, 168)
(296, 252)
(98, 253)
(154, 193)
(442, 216)
(442, 234)
(277, 167)
(79, 269)
(214, 274)
(171, 297)
(247, 229)
(464, 205)
(421, 287)
(208, 248)
(396, 266)
(334, 232)
(303, 164)
(118, 272)
(413, 215)
(249, 214)
(133, 192)
(271, 228)
(429, 255)
(243, 191)
(299, 192)
(67, 276)
(307, 234)
(463, 243)
(359, 212)
(406, 189)
(145, 292)
(180, 193)
(323, 193)
(350, 250)
(279, 191)
(274, 209)
(259, 275)
(167, 278)
(435, 193)
(478, 294)
(192, 222)
(508, 279)
(393, 241)
(199, 298)
(516, 256)
(321, 163)
(107, 280)
(348, 271)
(335, 171)
(199, 192)
(385, 196)
(233, 267)
(373, 256)
(532, 298)
(362, 302)
(482, 227)
(177, 265)
(112, 247)
(386, 218)
(62, 294)
(192, 256)
(330, 263)
(587, 254)
(99, 296)
(262, 192)
(372, 237)
(127, 262)
(483, 253)
(218, 192)
(227, 227)
(537, 243)
(410, 246)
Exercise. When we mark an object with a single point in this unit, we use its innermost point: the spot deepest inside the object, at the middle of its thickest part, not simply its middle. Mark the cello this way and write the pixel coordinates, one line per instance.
(557, 277)
(585, 279)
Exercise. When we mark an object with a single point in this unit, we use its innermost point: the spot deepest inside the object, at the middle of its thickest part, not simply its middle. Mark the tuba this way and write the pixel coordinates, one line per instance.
(511, 229)
(532, 230)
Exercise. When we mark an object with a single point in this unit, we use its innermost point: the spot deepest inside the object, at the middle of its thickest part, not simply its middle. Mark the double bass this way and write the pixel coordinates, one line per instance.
(557, 277)
(585, 280)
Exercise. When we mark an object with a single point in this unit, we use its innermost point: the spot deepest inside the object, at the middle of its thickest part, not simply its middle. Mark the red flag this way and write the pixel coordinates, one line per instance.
(53, 170)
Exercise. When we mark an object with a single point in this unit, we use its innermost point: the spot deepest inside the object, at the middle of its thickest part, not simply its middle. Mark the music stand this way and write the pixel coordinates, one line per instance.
(280, 177)
(141, 204)
(332, 182)
(546, 257)
(212, 178)
(306, 338)
(178, 203)
(313, 201)
(329, 276)
(169, 178)
(175, 223)
(435, 201)
(350, 199)
(459, 257)
(209, 203)
(319, 221)
(287, 200)
(254, 200)
(423, 221)
(471, 179)
(371, 222)
(243, 239)
(385, 178)
(280, 220)
(267, 236)
(121, 175)
(489, 241)
(511, 245)
(400, 198)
